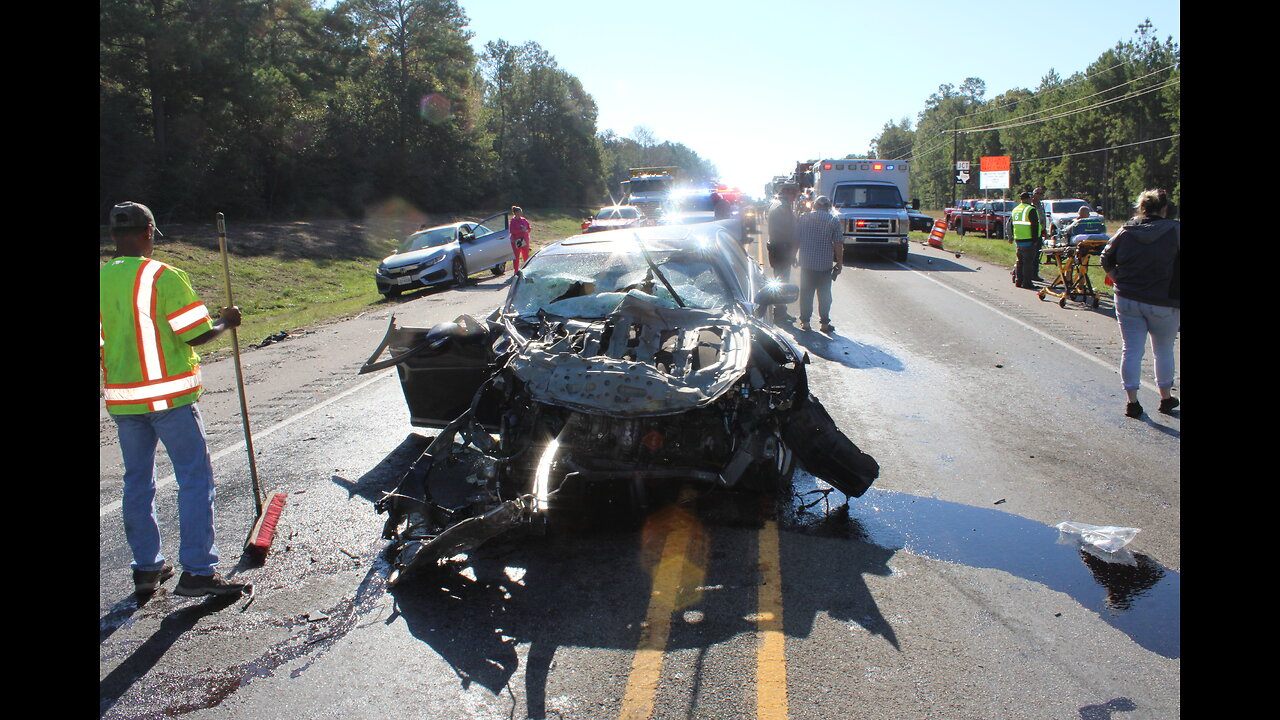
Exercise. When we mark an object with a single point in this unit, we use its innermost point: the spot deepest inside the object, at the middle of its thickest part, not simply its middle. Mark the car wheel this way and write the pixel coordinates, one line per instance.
(392, 293)
(902, 253)
(459, 271)
(498, 269)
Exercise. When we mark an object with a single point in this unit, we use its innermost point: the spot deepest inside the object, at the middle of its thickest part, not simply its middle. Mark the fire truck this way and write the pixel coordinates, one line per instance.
(648, 188)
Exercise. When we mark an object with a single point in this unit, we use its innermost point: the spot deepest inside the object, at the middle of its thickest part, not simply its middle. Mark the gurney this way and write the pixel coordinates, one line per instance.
(1072, 258)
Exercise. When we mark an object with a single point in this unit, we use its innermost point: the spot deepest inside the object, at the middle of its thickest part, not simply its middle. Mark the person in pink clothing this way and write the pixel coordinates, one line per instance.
(520, 228)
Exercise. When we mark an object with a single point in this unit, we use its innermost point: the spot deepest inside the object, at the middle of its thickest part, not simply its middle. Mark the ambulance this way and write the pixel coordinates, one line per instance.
(870, 198)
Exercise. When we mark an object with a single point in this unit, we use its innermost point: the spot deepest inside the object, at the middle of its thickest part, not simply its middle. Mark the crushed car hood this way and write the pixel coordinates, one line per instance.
(644, 359)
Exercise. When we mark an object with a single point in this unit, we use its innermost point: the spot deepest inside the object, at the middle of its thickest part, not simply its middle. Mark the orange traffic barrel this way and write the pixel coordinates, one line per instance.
(937, 233)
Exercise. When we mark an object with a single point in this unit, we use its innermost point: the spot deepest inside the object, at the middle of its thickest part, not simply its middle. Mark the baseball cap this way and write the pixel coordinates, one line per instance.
(128, 215)
(822, 201)
(1026, 195)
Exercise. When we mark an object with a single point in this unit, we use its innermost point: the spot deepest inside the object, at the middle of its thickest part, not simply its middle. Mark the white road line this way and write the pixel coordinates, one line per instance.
(1113, 367)
(240, 446)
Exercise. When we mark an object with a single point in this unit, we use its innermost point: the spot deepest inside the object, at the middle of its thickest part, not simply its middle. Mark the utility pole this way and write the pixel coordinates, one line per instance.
(954, 136)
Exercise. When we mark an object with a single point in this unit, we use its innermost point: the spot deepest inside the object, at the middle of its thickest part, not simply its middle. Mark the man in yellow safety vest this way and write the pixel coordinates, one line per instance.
(149, 320)
(1026, 229)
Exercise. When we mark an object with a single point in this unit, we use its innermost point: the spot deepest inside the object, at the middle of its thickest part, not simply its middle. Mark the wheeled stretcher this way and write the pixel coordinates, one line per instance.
(1072, 262)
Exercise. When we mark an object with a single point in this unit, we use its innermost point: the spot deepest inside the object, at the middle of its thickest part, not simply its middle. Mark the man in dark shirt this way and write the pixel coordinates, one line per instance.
(782, 240)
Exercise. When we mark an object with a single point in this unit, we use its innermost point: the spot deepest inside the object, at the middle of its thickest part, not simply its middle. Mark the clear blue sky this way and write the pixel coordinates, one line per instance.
(754, 86)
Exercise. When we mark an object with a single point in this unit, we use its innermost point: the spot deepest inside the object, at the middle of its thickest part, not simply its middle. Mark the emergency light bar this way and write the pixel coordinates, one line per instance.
(872, 166)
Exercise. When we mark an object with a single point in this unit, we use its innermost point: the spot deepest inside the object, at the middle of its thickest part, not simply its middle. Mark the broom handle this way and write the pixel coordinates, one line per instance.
(235, 346)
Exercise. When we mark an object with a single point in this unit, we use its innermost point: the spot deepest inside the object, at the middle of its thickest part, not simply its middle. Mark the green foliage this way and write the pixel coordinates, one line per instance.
(275, 109)
(1104, 134)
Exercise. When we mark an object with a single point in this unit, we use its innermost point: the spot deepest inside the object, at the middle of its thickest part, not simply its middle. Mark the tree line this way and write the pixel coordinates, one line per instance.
(271, 109)
(1103, 134)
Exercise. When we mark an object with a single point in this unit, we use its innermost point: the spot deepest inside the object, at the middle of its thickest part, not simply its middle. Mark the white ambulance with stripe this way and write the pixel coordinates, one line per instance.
(870, 198)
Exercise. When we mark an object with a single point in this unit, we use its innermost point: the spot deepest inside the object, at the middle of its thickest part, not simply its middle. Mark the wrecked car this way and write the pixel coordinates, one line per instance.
(621, 365)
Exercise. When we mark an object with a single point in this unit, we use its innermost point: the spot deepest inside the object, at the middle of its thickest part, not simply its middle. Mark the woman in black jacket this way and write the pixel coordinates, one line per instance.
(1143, 259)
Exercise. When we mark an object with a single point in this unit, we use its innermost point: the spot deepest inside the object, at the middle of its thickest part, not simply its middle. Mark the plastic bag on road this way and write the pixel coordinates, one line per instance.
(1108, 538)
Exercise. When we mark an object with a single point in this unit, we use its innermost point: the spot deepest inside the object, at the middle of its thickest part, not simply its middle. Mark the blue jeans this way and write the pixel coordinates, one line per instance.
(1137, 321)
(182, 432)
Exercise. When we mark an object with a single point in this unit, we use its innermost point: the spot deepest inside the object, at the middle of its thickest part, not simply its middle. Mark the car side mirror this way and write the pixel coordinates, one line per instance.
(779, 294)
(466, 236)
(915, 203)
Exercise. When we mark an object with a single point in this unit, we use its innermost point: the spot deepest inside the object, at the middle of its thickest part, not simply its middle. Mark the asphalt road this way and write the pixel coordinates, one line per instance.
(943, 592)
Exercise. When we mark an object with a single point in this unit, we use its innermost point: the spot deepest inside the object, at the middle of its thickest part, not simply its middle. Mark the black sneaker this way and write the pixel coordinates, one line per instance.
(1168, 404)
(1132, 410)
(199, 585)
(145, 582)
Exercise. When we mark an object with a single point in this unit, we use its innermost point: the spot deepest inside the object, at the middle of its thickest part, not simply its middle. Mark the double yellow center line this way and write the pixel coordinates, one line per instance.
(673, 589)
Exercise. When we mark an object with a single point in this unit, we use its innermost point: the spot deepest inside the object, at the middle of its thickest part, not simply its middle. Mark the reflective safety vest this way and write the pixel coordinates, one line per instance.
(1021, 222)
(147, 313)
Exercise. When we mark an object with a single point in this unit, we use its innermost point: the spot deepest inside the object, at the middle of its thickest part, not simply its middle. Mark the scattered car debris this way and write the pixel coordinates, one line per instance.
(622, 365)
(273, 339)
(1108, 538)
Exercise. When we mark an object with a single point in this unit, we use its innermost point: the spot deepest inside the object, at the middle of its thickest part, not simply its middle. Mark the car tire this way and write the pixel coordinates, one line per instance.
(498, 269)
(392, 293)
(459, 271)
(902, 253)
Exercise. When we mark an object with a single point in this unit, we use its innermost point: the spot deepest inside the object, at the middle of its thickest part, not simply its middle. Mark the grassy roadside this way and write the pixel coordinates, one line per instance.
(1003, 252)
(289, 275)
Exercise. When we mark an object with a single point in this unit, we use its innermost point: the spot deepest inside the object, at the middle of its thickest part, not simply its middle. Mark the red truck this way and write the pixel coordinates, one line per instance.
(980, 216)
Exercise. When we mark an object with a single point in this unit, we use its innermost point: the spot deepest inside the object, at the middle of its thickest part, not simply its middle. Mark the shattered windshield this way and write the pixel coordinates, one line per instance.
(867, 196)
(591, 285)
(435, 237)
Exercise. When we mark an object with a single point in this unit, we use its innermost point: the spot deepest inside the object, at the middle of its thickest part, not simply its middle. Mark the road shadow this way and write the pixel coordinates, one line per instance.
(872, 260)
(588, 586)
(140, 661)
(386, 475)
(846, 351)
(1141, 598)
(1076, 303)
(1104, 711)
(584, 585)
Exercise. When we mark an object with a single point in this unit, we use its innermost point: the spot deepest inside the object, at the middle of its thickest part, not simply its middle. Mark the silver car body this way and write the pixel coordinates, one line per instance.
(427, 257)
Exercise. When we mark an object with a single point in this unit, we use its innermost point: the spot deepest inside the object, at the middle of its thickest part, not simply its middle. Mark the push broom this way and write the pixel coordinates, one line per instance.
(264, 529)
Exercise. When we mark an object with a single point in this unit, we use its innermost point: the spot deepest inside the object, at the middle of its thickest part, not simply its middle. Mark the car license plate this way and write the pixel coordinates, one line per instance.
(404, 280)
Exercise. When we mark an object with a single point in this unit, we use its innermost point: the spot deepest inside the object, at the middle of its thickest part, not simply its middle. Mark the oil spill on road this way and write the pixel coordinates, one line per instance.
(1130, 591)
(170, 695)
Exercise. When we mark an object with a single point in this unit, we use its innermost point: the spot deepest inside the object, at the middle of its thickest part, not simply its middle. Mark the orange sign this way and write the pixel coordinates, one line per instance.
(994, 163)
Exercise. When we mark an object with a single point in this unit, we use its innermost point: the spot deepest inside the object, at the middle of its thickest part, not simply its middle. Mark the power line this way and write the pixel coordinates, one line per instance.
(1011, 122)
(1019, 122)
(1086, 152)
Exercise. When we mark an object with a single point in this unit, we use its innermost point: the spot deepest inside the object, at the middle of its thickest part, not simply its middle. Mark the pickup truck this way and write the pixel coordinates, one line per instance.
(981, 216)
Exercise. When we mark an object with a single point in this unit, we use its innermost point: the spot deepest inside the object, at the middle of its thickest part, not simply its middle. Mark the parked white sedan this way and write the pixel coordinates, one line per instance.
(447, 253)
